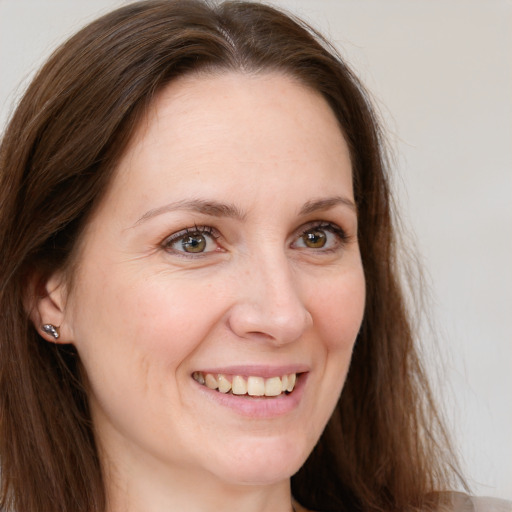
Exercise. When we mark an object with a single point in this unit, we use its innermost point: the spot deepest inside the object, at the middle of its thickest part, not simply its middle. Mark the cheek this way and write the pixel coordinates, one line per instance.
(339, 320)
(136, 329)
(133, 337)
(140, 306)
(338, 310)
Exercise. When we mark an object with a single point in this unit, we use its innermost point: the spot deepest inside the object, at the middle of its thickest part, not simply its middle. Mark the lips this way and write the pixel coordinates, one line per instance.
(252, 385)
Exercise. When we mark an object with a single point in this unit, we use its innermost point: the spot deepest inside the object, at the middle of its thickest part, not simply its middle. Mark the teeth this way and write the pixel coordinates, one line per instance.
(252, 386)
(239, 386)
(199, 377)
(210, 381)
(273, 386)
(284, 383)
(224, 384)
(256, 386)
(292, 378)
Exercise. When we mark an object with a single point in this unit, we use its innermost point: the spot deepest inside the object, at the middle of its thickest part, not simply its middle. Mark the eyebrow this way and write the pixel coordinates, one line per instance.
(216, 209)
(206, 207)
(327, 204)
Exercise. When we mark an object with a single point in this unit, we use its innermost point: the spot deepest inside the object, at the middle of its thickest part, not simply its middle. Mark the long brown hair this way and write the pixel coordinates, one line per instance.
(384, 448)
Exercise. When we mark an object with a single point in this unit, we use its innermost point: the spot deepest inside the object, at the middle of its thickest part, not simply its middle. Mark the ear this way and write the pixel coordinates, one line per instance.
(46, 304)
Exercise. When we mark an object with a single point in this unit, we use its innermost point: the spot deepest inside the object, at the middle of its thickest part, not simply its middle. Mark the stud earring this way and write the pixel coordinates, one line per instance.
(51, 330)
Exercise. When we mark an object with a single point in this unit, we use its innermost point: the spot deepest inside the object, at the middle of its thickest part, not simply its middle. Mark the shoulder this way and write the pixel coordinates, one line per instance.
(461, 502)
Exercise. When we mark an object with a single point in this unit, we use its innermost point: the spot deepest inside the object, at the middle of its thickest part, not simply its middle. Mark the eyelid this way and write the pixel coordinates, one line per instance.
(323, 224)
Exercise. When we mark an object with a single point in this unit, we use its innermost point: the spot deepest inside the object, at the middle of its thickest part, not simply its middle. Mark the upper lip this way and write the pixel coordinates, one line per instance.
(265, 371)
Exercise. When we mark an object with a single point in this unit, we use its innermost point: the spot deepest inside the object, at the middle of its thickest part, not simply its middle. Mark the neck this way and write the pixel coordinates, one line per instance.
(150, 490)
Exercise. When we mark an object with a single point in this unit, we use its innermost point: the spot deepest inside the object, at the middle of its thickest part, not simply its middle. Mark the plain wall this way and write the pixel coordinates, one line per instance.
(441, 76)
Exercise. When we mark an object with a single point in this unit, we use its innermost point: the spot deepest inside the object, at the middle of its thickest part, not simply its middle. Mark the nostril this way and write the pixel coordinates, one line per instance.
(259, 334)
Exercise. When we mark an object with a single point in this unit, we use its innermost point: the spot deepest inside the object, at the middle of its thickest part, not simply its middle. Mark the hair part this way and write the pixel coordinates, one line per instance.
(384, 447)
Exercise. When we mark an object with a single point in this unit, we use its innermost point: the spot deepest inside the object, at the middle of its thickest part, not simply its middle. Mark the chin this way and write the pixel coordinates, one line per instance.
(264, 462)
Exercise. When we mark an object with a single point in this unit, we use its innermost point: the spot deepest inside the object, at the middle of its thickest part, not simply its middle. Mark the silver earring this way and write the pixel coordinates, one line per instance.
(51, 330)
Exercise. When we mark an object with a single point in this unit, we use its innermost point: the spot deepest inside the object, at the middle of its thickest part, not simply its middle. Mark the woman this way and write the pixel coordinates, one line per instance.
(197, 245)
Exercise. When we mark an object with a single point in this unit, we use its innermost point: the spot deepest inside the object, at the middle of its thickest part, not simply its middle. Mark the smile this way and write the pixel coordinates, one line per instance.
(251, 385)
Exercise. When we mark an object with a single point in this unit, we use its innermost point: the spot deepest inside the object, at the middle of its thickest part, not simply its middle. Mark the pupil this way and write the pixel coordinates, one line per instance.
(194, 243)
(315, 239)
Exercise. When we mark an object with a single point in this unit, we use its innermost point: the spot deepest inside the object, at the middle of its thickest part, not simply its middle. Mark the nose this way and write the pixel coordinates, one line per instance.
(268, 305)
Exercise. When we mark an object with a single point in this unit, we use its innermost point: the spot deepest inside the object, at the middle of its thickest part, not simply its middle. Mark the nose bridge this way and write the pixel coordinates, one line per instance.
(269, 300)
(279, 289)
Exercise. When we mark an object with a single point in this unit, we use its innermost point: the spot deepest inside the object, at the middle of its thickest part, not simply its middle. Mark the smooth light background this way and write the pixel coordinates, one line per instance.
(440, 72)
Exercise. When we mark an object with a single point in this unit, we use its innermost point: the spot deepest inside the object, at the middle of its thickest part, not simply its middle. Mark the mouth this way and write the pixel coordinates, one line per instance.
(252, 385)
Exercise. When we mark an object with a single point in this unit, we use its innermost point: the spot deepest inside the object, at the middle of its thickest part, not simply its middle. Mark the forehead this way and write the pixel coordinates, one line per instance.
(230, 133)
(211, 117)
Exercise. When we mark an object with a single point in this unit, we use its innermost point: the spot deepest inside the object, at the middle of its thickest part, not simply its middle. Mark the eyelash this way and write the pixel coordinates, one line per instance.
(327, 226)
(214, 234)
(203, 230)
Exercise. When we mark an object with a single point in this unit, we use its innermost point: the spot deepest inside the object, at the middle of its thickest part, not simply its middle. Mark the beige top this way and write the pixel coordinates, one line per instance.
(461, 503)
(464, 503)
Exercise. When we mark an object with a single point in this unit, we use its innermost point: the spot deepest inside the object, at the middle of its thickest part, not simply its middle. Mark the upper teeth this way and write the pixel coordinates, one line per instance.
(253, 386)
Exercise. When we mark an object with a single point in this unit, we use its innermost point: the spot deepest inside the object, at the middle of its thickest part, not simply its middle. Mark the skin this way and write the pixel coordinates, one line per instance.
(144, 314)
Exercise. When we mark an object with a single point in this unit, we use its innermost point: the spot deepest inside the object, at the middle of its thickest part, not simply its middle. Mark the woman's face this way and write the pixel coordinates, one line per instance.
(224, 254)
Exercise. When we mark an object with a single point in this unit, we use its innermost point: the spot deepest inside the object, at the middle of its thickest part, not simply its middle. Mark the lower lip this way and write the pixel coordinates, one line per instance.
(259, 407)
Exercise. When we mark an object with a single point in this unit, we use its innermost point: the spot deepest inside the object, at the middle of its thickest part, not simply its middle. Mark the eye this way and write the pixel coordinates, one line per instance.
(197, 240)
(323, 235)
(314, 238)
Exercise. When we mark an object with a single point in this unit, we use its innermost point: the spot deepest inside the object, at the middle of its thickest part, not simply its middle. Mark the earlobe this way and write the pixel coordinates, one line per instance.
(47, 305)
